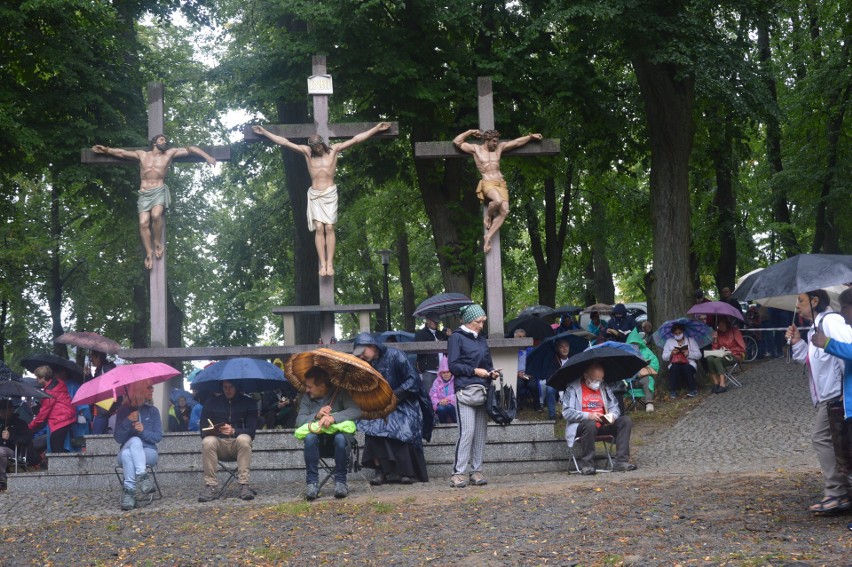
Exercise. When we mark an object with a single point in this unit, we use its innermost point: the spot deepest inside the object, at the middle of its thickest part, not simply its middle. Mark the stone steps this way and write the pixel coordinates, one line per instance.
(523, 447)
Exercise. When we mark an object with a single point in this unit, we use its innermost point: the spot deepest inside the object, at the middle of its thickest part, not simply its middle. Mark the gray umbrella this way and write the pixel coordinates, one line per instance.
(15, 389)
(537, 311)
(799, 274)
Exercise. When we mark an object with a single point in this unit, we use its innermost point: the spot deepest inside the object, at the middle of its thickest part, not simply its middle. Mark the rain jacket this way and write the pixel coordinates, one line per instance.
(843, 350)
(825, 371)
(441, 390)
(466, 353)
(152, 427)
(412, 419)
(572, 402)
(240, 411)
(56, 411)
(634, 338)
(693, 354)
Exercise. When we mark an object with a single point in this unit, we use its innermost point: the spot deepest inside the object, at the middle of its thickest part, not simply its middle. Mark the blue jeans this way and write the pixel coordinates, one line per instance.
(312, 456)
(133, 458)
(550, 396)
(446, 414)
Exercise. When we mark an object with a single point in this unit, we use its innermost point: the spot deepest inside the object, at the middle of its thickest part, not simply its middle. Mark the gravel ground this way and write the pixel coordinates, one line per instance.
(723, 480)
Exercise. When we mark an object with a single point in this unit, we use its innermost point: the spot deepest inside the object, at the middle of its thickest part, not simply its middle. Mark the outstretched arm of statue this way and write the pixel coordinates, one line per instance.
(380, 127)
(522, 141)
(459, 141)
(281, 140)
(117, 152)
(199, 152)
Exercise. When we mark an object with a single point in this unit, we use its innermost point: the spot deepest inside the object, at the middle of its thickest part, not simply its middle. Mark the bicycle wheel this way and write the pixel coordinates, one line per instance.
(750, 348)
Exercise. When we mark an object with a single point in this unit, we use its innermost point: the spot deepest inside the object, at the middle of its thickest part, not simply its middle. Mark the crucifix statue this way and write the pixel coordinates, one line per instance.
(154, 196)
(321, 159)
(492, 189)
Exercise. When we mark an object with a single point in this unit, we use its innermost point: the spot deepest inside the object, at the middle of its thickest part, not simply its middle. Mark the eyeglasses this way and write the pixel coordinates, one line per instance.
(149, 387)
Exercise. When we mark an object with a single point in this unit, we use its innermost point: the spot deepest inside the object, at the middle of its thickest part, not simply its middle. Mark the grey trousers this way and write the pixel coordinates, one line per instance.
(834, 482)
(588, 430)
(473, 431)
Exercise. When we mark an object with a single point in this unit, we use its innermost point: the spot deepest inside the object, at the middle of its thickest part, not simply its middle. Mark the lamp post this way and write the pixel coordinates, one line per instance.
(385, 254)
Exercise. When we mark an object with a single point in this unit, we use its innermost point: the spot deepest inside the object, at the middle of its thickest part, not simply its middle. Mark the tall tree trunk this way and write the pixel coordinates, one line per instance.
(669, 99)
(4, 312)
(780, 205)
(405, 280)
(603, 285)
(724, 201)
(548, 252)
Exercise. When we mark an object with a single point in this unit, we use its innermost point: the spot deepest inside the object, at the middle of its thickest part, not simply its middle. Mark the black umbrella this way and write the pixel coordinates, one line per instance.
(539, 329)
(72, 369)
(799, 274)
(441, 305)
(567, 310)
(618, 364)
(542, 360)
(537, 311)
(15, 389)
(7, 373)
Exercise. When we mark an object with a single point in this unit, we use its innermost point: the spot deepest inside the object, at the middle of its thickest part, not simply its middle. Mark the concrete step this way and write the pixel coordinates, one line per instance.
(523, 447)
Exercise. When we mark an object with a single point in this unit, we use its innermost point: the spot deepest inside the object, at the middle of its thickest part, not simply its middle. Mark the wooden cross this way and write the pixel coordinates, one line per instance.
(493, 267)
(157, 281)
(322, 127)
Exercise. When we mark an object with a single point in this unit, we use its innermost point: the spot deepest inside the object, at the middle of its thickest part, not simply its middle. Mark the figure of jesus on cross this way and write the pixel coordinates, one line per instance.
(492, 188)
(154, 196)
(322, 195)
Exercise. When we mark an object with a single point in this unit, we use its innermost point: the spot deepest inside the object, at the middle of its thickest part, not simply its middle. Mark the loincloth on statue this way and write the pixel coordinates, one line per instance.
(153, 197)
(322, 206)
(486, 185)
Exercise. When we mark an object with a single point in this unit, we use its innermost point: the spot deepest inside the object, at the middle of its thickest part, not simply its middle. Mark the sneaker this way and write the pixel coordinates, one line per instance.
(588, 471)
(128, 499)
(209, 493)
(649, 408)
(311, 492)
(458, 481)
(623, 467)
(478, 479)
(721, 390)
(246, 493)
(378, 478)
(146, 484)
(692, 394)
(340, 490)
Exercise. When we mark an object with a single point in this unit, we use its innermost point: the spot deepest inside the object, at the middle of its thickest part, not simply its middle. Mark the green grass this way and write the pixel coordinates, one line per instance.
(272, 555)
(382, 507)
(292, 508)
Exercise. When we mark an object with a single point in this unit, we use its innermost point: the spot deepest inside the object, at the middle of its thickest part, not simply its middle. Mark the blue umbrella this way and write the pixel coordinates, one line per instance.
(541, 362)
(617, 362)
(692, 328)
(178, 393)
(248, 374)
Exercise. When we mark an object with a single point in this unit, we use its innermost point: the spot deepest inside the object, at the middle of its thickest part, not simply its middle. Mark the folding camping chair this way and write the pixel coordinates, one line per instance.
(637, 393)
(729, 374)
(156, 495)
(231, 472)
(608, 442)
(327, 457)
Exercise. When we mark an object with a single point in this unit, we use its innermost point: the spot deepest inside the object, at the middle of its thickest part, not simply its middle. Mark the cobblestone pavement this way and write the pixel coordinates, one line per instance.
(673, 510)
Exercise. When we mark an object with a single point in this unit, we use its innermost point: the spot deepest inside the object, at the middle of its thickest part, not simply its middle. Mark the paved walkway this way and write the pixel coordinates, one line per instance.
(762, 427)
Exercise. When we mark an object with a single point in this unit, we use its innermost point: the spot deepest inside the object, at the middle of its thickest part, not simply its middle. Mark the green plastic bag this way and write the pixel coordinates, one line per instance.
(347, 426)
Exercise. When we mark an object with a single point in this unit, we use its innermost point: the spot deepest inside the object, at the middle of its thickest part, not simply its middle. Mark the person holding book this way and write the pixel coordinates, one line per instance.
(228, 425)
(681, 352)
(590, 408)
(728, 346)
(620, 324)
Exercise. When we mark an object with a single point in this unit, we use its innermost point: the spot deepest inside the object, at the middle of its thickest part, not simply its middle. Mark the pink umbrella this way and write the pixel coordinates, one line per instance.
(89, 340)
(111, 384)
(716, 308)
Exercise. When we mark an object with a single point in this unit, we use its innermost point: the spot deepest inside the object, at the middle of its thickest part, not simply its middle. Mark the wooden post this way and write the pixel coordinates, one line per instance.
(493, 264)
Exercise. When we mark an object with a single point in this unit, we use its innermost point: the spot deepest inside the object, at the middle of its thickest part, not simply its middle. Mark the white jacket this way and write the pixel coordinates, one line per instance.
(825, 372)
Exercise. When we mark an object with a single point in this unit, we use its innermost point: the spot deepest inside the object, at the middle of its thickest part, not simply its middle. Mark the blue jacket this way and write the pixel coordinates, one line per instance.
(412, 419)
(466, 353)
(844, 351)
(152, 427)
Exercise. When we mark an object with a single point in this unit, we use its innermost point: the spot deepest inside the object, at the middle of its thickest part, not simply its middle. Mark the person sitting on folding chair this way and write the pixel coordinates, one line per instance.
(326, 411)
(228, 425)
(138, 429)
(591, 409)
(13, 433)
(645, 377)
(729, 338)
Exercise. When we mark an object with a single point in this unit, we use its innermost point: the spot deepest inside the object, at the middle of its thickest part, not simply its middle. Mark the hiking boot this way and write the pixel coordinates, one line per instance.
(246, 493)
(649, 407)
(458, 481)
(715, 389)
(478, 479)
(378, 478)
(128, 499)
(311, 492)
(209, 493)
(341, 490)
(623, 467)
(146, 484)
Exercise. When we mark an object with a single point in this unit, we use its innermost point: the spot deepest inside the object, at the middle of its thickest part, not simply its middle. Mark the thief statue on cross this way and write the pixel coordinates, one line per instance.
(154, 196)
(322, 195)
(492, 188)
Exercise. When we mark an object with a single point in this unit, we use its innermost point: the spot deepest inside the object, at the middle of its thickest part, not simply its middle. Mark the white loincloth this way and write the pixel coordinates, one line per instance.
(322, 207)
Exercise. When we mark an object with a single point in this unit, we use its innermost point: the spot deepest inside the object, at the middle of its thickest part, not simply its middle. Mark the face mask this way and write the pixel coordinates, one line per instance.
(593, 384)
(678, 336)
